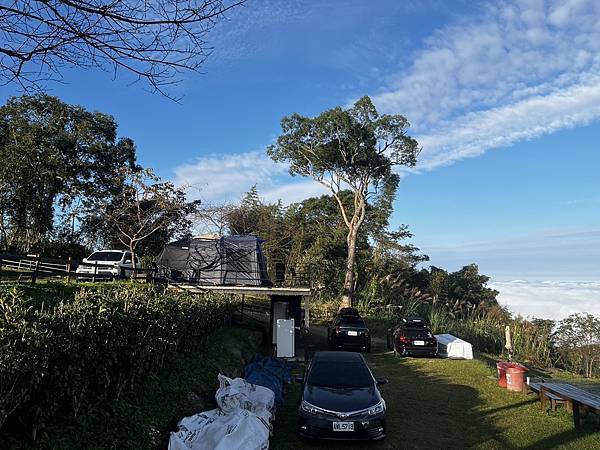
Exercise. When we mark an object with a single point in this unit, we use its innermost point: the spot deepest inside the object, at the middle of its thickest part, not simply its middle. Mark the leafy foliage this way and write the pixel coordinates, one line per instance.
(146, 210)
(143, 418)
(310, 236)
(351, 149)
(578, 341)
(52, 157)
(59, 347)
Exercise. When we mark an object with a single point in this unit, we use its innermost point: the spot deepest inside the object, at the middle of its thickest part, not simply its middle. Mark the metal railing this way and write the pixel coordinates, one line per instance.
(32, 267)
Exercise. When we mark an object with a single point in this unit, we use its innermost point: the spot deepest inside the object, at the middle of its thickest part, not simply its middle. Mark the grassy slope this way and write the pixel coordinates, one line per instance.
(436, 403)
(143, 419)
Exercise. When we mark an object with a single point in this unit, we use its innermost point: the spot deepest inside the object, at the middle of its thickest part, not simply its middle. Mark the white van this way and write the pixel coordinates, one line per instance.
(108, 262)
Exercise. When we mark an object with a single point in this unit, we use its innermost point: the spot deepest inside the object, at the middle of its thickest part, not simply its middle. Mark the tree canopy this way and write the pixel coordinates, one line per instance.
(348, 149)
(145, 207)
(310, 238)
(54, 156)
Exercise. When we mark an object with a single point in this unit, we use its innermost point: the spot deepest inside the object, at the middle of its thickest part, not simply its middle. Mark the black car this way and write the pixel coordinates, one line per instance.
(349, 332)
(413, 337)
(340, 399)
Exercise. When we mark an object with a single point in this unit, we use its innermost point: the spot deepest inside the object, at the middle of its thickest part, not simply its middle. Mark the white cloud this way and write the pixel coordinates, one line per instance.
(294, 192)
(226, 177)
(517, 71)
(523, 69)
(549, 299)
(474, 133)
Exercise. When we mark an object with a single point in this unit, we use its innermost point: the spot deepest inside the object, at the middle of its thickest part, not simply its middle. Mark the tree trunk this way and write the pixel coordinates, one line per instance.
(132, 247)
(348, 296)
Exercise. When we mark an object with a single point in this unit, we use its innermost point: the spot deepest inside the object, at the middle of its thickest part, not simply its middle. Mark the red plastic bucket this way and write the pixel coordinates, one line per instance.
(501, 366)
(515, 376)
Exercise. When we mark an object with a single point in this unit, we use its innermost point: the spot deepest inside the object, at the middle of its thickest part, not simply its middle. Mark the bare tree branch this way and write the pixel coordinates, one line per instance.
(155, 40)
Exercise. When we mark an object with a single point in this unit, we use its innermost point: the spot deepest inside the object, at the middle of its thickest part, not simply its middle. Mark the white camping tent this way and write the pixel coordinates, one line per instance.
(452, 347)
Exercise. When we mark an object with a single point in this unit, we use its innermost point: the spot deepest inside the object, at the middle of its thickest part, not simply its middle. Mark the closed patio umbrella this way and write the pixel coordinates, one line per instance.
(508, 344)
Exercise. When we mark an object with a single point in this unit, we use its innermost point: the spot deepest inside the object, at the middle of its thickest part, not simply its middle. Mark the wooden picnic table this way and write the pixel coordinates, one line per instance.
(575, 397)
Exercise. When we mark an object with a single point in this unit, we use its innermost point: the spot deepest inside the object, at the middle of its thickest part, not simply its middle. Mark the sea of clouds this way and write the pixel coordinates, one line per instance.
(549, 299)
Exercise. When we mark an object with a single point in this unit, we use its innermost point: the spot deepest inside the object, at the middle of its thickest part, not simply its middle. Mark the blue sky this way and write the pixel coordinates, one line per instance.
(504, 97)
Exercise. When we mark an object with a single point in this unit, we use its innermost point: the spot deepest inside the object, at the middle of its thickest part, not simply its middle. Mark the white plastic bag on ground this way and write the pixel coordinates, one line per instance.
(454, 348)
(220, 430)
(238, 393)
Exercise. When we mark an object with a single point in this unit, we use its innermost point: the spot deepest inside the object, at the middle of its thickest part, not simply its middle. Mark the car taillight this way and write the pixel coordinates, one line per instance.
(338, 330)
(404, 339)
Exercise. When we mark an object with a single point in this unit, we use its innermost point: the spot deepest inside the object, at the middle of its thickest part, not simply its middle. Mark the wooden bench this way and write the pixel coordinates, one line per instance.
(576, 398)
(555, 400)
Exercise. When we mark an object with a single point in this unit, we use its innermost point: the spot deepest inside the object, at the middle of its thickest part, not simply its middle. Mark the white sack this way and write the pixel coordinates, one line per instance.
(238, 393)
(452, 347)
(218, 430)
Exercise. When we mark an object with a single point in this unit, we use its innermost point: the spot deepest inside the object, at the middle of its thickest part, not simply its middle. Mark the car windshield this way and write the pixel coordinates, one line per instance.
(352, 374)
(352, 321)
(106, 256)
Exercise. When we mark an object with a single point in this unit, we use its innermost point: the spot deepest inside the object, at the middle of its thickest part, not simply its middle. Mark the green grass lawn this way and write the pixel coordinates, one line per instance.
(439, 403)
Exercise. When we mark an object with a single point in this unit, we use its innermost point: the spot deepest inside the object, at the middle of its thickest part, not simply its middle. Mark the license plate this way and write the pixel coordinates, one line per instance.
(419, 342)
(352, 333)
(343, 426)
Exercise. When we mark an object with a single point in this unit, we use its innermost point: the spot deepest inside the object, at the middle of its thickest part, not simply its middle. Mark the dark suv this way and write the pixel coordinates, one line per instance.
(412, 336)
(349, 332)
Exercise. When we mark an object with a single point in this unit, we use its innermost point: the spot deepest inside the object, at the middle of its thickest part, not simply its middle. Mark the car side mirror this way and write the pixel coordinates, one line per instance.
(381, 381)
(127, 261)
(299, 380)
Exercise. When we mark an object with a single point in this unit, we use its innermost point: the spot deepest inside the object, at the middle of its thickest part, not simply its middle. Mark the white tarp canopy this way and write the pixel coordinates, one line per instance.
(241, 422)
(452, 347)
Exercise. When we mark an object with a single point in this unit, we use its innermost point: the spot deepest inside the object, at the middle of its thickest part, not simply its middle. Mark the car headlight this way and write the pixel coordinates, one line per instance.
(309, 408)
(377, 409)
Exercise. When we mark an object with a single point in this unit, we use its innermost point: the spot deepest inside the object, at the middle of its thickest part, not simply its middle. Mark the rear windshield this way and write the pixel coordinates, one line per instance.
(340, 374)
(106, 256)
(416, 333)
(352, 321)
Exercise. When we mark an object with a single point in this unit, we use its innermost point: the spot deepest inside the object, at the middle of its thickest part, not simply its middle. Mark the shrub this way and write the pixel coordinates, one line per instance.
(59, 348)
(578, 342)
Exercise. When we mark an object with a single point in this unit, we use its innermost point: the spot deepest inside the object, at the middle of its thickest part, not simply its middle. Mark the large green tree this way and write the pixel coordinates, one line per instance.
(53, 156)
(355, 149)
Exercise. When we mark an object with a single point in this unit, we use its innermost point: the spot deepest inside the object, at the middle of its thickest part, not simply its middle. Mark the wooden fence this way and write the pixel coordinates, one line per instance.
(30, 268)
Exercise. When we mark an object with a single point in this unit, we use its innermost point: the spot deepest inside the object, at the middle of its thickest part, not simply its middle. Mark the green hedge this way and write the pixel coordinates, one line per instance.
(60, 347)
